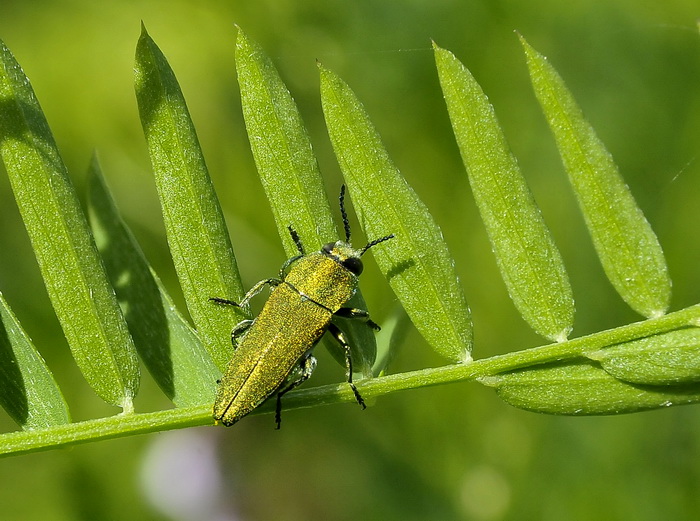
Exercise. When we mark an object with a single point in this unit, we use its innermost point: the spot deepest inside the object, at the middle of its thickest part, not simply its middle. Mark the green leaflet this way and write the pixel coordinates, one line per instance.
(583, 388)
(70, 265)
(390, 339)
(197, 235)
(289, 173)
(530, 263)
(171, 351)
(28, 391)
(416, 262)
(627, 246)
(669, 358)
(282, 151)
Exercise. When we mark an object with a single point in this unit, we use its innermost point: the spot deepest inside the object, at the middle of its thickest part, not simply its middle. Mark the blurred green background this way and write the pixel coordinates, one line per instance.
(453, 452)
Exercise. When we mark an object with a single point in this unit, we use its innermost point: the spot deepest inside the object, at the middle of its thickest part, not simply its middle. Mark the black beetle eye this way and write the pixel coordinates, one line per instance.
(328, 248)
(354, 265)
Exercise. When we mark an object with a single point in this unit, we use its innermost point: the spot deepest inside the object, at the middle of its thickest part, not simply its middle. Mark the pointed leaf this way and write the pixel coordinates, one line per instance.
(669, 358)
(194, 223)
(170, 349)
(75, 279)
(416, 262)
(627, 246)
(28, 391)
(289, 173)
(282, 151)
(584, 389)
(530, 263)
(390, 339)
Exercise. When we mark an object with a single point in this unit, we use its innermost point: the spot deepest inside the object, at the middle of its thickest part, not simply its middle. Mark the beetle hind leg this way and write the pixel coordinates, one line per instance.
(300, 374)
(340, 337)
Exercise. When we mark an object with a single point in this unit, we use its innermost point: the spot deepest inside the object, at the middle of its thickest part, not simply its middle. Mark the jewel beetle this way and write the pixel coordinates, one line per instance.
(273, 352)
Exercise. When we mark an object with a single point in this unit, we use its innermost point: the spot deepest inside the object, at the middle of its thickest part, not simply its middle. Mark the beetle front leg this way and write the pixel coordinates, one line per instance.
(305, 369)
(340, 337)
(359, 314)
(251, 293)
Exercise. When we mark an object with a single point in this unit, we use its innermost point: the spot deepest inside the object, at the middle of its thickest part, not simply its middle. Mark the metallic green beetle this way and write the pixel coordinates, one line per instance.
(273, 352)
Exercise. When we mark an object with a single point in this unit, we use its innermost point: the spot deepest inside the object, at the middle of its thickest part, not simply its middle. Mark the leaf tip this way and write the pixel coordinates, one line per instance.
(530, 51)
(241, 38)
(144, 38)
(325, 73)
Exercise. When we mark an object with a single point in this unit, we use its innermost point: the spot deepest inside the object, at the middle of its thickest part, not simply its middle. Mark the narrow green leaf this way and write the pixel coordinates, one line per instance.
(282, 151)
(416, 262)
(530, 263)
(194, 223)
(670, 358)
(168, 346)
(28, 391)
(627, 246)
(290, 175)
(70, 265)
(583, 388)
(390, 339)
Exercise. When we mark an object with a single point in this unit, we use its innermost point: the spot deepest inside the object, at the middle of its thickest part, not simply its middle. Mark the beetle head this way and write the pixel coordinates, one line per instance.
(341, 251)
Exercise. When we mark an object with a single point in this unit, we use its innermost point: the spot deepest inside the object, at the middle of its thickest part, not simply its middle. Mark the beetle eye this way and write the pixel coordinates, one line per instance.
(354, 265)
(328, 248)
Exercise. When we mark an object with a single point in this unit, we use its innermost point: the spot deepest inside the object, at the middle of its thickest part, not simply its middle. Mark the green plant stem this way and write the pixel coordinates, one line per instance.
(128, 424)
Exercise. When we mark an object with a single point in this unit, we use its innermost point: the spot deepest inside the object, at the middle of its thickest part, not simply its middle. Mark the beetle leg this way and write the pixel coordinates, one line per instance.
(305, 369)
(357, 313)
(286, 265)
(251, 293)
(239, 330)
(340, 337)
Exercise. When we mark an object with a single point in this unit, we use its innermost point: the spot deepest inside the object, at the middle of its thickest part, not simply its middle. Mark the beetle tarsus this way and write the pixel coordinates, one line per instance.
(225, 302)
(340, 337)
(358, 397)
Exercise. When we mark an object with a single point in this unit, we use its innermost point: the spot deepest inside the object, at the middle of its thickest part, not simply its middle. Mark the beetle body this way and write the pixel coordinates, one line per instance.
(273, 352)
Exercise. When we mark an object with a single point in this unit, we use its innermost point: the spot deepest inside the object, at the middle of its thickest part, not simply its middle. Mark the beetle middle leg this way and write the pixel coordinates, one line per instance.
(301, 373)
(340, 337)
(240, 330)
(357, 313)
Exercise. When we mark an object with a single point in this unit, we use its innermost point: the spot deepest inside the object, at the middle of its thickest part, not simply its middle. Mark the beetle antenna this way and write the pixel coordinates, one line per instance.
(296, 239)
(374, 243)
(346, 223)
